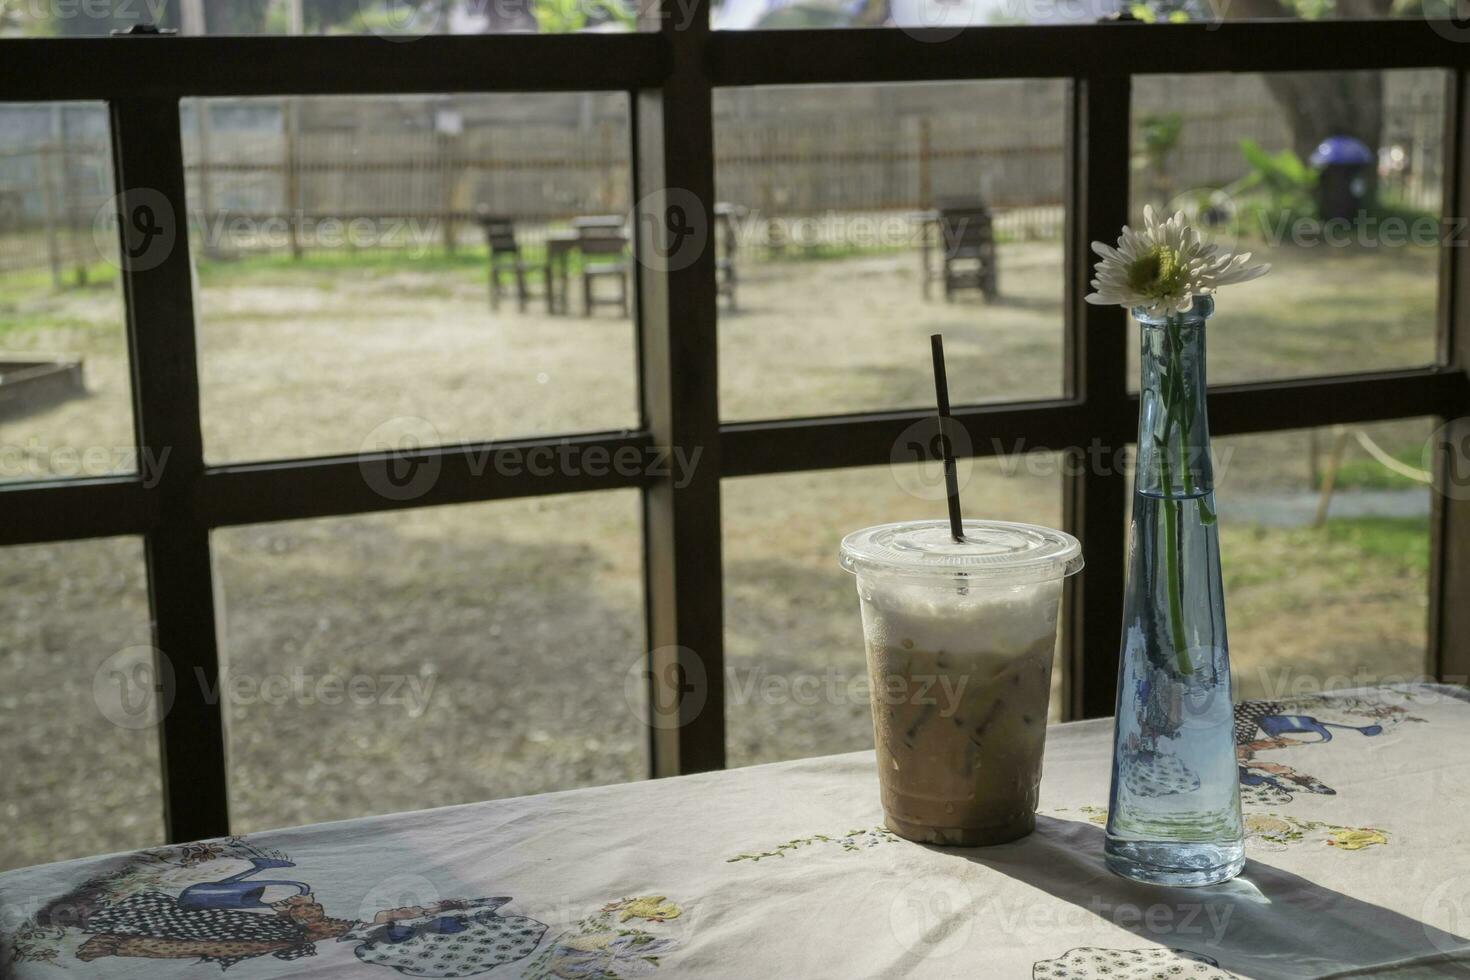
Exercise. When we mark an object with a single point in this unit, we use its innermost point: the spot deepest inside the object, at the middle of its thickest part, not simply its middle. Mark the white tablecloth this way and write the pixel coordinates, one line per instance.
(1358, 815)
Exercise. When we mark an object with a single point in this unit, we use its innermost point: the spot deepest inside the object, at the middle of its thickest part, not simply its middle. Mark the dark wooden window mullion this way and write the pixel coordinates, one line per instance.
(1449, 579)
(674, 189)
(1095, 499)
(149, 166)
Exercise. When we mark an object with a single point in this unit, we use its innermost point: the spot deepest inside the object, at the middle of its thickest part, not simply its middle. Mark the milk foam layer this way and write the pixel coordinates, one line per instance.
(976, 623)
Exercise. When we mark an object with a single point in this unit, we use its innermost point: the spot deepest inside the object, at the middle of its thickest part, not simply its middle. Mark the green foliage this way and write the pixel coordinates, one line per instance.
(1160, 134)
(567, 16)
(1311, 9)
(1282, 174)
(1278, 188)
(805, 16)
(1407, 213)
(1160, 12)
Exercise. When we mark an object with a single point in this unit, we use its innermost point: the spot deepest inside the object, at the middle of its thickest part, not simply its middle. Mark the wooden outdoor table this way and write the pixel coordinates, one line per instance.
(1356, 805)
(559, 248)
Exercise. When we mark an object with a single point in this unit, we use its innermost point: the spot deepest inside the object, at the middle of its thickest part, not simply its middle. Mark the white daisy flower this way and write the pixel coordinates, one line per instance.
(1163, 267)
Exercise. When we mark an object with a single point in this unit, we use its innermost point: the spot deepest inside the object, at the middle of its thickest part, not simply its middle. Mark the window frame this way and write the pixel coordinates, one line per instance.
(670, 70)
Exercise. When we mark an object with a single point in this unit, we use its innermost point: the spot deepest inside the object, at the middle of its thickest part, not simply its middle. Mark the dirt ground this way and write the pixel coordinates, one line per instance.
(505, 640)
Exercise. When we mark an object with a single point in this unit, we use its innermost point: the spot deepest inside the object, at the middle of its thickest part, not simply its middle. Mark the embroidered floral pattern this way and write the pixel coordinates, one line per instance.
(632, 954)
(1093, 814)
(861, 839)
(1356, 838)
(649, 908)
(1277, 831)
(601, 947)
(34, 944)
(1095, 963)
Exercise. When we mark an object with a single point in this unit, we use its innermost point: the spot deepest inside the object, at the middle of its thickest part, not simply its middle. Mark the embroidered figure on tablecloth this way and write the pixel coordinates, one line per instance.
(179, 904)
(1095, 963)
(449, 939)
(1262, 726)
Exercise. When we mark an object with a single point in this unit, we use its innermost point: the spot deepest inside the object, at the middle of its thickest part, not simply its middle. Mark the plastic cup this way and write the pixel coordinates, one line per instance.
(960, 637)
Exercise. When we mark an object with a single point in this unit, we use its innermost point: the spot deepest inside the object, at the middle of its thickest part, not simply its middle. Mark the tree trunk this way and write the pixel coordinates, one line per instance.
(1322, 104)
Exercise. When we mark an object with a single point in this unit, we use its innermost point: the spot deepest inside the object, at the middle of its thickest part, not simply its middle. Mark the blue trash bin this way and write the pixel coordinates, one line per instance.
(1344, 167)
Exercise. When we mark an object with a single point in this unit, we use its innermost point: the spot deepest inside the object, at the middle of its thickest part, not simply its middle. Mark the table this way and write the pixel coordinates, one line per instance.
(1356, 803)
(561, 244)
(559, 248)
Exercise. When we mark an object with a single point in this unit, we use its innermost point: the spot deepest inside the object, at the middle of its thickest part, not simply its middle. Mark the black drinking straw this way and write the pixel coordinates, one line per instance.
(951, 479)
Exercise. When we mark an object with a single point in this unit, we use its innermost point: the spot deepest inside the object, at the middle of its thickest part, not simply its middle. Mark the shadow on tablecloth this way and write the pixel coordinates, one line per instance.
(1267, 923)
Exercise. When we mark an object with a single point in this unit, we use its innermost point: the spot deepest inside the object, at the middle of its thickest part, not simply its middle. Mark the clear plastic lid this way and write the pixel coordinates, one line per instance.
(993, 552)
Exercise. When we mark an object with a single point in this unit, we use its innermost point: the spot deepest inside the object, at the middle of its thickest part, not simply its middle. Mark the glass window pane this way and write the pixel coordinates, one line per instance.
(400, 20)
(344, 249)
(1337, 603)
(430, 657)
(834, 200)
(795, 679)
(952, 15)
(78, 721)
(65, 395)
(1353, 240)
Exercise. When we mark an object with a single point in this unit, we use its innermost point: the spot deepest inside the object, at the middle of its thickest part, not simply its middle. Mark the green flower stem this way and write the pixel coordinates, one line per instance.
(1173, 580)
(1172, 392)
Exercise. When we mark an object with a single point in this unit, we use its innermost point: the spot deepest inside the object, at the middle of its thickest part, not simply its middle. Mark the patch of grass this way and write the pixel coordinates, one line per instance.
(823, 252)
(795, 252)
(72, 276)
(12, 323)
(276, 263)
(27, 285)
(468, 264)
(1365, 473)
(1400, 544)
(1351, 554)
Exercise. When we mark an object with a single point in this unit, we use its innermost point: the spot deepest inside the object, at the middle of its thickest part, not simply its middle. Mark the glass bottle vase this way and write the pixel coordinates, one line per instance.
(1174, 809)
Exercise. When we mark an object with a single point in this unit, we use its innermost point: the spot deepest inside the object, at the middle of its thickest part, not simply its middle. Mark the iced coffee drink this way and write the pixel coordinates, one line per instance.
(959, 642)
